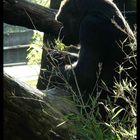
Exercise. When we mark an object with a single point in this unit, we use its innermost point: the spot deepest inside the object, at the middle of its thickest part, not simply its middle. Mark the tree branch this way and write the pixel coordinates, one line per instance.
(32, 16)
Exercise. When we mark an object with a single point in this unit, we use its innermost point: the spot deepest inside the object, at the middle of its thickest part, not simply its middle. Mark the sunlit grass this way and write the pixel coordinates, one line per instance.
(89, 126)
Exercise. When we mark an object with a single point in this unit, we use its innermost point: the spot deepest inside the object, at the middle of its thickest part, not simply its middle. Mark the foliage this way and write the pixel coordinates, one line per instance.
(35, 48)
(90, 126)
(59, 45)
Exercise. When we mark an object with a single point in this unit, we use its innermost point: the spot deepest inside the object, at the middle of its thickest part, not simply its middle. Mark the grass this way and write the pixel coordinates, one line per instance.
(90, 126)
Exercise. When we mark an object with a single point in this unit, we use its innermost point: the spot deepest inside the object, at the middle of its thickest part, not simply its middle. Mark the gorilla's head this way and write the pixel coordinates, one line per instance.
(70, 14)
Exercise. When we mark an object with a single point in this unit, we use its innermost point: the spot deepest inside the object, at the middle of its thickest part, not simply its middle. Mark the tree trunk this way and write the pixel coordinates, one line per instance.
(47, 41)
(32, 114)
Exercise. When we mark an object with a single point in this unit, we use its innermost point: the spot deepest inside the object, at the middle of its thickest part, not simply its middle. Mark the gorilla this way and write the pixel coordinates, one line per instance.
(100, 29)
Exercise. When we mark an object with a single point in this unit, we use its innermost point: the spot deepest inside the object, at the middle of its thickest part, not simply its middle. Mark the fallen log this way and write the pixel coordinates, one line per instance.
(33, 114)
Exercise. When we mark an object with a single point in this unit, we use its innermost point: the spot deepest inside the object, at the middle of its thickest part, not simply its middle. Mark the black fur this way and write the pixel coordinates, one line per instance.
(99, 27)
(95, 25)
